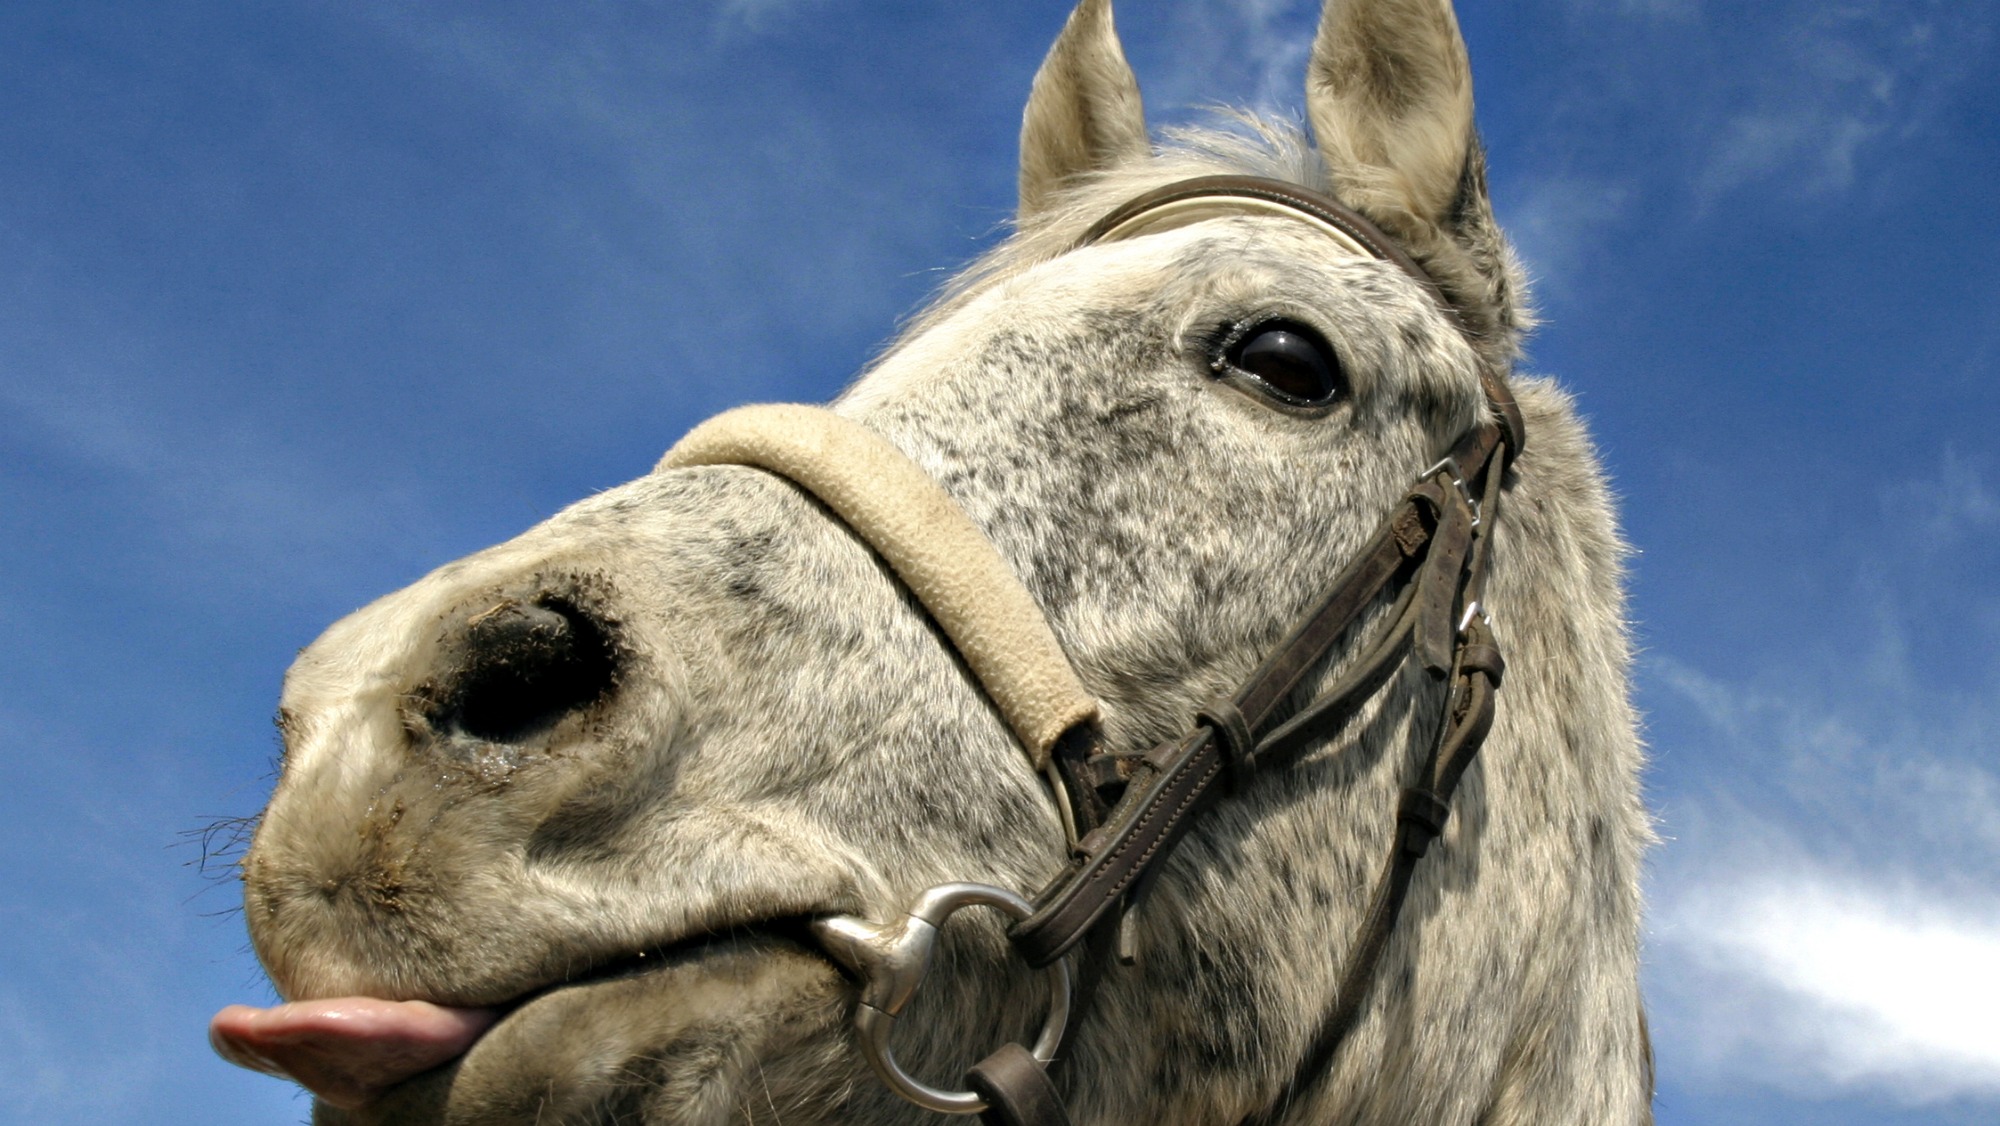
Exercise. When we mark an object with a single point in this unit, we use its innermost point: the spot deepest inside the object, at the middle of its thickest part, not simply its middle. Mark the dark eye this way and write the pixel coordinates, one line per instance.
(1289, 359)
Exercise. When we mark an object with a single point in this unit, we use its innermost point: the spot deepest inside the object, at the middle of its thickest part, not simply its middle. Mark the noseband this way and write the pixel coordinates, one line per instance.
(1125, 811)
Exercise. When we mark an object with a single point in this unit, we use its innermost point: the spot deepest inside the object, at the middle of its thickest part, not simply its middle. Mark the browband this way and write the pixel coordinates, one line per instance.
(1214, 196)
(1230, 193)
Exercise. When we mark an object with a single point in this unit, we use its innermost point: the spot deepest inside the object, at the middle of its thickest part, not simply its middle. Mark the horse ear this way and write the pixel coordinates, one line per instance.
(1084, 114)
(1389, 92)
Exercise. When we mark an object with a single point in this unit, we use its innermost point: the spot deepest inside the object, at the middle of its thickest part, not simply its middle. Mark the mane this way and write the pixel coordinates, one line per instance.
(1243, 142)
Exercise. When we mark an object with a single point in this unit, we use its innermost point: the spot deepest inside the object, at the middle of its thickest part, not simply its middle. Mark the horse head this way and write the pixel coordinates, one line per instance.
(584, 795)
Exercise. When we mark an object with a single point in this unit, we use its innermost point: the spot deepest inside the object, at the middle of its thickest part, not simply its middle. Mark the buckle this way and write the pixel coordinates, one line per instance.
(1473, 610)
(1449, 466)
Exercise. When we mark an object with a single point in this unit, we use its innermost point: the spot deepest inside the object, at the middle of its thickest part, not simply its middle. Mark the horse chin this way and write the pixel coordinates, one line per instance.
(746, 1027)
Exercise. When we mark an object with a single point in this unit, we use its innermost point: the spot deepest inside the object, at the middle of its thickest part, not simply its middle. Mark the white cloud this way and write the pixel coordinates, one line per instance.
(739, 175)
(1941, 513)
(1645, 9)
(1827, 911)
(1276, 48)
(1815, 980)
(211, 490)
(756, 15)
(1880, 771)
(1825, 918)
(1793, 100)
(1651, 11)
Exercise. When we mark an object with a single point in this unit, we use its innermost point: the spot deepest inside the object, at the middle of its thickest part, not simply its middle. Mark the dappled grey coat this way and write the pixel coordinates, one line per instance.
(777, 732)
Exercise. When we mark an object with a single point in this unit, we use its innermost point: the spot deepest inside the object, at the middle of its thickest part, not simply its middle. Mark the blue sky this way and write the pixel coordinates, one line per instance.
(300, 301)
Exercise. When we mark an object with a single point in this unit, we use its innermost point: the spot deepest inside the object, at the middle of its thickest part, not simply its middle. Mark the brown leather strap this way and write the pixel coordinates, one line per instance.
(1433, 549)
(1348, 221)
(1435, 529)
(1422, 812)
(1017, 1090)
(1146, 824)
(1357, 686)
(1176, 779)
(1513, 427)
(1402, 536)
(1304, 200)
(1441, 580)
(1231, 733)
(1420, 819)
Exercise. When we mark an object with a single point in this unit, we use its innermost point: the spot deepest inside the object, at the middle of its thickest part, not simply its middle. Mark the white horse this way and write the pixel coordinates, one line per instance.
(556, 822)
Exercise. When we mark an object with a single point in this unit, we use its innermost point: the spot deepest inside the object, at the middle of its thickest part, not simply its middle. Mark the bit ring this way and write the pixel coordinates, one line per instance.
(891, 960)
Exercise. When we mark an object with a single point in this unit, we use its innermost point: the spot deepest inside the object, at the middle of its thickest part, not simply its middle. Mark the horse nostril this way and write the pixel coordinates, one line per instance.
(521, 667)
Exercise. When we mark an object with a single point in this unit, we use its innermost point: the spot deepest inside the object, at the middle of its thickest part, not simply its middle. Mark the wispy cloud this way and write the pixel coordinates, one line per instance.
(1651, 9)
(757, 15)
(1795, 100)
(1836, 82)
(1944, 511)
(1238, 52)
(206, 491)
(1827, 914)
(1556, 221)
(728, 172)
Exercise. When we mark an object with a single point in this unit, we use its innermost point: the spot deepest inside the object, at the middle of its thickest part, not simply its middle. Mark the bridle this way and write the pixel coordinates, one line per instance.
(1125, 811)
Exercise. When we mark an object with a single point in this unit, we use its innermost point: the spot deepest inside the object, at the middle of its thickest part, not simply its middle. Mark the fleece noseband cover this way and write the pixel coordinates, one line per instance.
(927, 540)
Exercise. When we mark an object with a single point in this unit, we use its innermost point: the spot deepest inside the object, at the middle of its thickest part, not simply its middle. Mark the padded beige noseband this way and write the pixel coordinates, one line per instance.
(927, 540)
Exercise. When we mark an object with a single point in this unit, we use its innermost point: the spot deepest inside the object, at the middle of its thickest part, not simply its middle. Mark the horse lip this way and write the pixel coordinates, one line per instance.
(789, 930)
(782, 915)
(793, 929)
(351, 1072)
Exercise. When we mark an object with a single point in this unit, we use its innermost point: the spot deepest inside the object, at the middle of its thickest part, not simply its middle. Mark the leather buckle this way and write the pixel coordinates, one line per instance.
(1448, 465)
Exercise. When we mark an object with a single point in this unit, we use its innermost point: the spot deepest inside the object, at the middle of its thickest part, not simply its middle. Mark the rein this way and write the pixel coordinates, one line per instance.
(1124, 812)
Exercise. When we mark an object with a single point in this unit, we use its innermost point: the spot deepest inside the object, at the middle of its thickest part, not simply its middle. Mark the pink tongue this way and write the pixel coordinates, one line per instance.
(350, 1050)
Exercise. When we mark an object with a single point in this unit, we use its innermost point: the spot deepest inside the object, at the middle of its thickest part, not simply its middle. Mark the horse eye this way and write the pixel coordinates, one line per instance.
(1289, 359)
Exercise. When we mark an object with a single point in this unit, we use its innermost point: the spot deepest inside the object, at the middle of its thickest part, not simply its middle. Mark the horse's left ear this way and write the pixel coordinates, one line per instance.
(1389, 93)
(1084, 114)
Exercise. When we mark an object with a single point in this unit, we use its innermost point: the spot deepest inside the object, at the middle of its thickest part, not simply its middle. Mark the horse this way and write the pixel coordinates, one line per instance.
(606, 823)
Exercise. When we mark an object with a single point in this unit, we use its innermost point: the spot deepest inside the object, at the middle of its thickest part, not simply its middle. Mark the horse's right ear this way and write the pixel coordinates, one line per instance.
(1389, 93)
(1084, 114)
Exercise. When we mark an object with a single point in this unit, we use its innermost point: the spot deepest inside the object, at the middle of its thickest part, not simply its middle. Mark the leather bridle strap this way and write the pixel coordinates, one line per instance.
(1436, 544)
(1433, 547)
(1420, 816)
(1128, 811)
(1182, 202)
(1425, 543)
(1177, 204)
